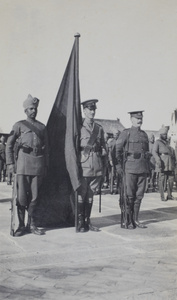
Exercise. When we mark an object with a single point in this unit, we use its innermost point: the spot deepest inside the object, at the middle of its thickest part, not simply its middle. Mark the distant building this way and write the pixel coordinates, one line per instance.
(110, 126)
(3, 133)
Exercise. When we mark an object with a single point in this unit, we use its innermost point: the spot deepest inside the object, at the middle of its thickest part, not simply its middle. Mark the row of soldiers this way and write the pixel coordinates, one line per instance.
(131, 161)
(112, 179)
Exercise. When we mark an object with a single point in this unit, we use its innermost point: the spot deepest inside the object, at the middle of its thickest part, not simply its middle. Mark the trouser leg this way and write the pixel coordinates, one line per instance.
(170, 185)
(136, 184)
(161, 183)
(93, 184)
(35, 183)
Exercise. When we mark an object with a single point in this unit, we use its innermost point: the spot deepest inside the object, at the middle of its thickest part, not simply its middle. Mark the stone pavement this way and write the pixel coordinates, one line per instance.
(114, 263)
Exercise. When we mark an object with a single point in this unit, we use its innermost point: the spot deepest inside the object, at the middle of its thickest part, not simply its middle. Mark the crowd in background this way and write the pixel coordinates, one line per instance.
(167, 170)
(112, 179)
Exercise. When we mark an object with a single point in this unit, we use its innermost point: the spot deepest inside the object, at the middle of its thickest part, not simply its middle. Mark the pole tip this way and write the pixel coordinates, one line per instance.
(77, 34)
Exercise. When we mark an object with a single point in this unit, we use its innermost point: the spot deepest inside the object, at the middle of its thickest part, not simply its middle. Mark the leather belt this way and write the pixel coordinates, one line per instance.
(93, 149)
(137, 155)
(34, 151)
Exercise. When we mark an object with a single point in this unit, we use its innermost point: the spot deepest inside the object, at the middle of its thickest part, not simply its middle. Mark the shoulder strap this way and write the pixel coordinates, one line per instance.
(91, 139)
(33, 128)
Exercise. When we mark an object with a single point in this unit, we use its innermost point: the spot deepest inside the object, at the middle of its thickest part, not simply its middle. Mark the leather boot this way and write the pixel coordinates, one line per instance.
(21, 217)
(136, 214)
(89, 225)
(81, 218)
(31, 227)
(129, 211)
(131, 224)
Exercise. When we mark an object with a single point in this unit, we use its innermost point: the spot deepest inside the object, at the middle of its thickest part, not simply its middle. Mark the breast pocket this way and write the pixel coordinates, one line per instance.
(26, 136)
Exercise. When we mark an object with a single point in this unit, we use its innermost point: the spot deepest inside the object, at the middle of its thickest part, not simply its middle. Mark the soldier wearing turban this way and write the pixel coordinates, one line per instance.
(31, 163)
(164, 156)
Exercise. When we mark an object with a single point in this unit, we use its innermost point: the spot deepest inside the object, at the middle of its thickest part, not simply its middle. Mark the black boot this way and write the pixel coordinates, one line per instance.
(81, 218)
(31, 227)
(136, 214)
(130, 222)
(21, 217)
(88, 210)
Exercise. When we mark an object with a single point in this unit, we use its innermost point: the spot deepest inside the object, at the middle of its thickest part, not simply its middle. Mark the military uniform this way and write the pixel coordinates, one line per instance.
(92, 168)
(152, 173)
(133, 142)
(31, 162)
(112, 159)
(2, 159)
(165, 159)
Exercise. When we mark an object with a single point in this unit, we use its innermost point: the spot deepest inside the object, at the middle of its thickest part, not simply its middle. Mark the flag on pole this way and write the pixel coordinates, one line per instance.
(65, 121)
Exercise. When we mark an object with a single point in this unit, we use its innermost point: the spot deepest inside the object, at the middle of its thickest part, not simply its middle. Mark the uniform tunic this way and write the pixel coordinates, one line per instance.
(133, 142)
(2, 160)
(164, 155)
(91, 164)
(31, 160)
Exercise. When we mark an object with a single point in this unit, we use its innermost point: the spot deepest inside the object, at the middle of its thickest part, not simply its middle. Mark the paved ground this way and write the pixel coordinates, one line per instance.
(114, 263)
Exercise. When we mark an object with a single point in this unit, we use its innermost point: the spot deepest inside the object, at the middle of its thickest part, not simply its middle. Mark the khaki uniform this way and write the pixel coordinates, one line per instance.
(92, 166)
(2, 161)
(31, 161)
(133, 142)
(164, 155)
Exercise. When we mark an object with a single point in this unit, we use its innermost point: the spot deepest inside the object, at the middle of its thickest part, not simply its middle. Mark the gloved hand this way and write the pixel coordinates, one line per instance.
(119, 169)
(159, 164)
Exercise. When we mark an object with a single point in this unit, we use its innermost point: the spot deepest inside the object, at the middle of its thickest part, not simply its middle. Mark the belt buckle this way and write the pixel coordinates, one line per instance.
(137, 155)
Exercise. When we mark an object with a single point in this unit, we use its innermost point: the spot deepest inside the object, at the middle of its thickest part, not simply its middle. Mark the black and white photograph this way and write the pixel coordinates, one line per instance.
(88, 149)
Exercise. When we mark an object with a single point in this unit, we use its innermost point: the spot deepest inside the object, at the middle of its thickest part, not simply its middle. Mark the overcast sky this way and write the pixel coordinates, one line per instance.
(128, 56)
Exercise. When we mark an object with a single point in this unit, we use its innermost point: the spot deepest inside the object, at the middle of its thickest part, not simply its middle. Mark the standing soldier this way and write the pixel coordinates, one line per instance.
(112, 159)
(132, 146)
(165, 163)
(93, 153)
(152, 173)
(3, 159)
(31, 164)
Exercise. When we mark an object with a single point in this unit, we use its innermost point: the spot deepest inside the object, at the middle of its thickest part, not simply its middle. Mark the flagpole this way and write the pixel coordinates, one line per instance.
(77, 36)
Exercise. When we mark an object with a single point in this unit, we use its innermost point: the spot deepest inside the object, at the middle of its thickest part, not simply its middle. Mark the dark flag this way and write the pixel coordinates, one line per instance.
(63, 128)
(73, 117)
(66, 113)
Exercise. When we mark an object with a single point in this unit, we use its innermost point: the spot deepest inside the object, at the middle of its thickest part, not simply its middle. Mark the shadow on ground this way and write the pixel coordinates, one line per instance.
(149, 216)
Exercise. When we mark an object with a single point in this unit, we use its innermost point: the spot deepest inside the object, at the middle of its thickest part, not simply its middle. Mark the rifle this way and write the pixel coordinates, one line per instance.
(123, 191)
(123, 199)
(76, 211)
(13, 206)
(100, 196)
(112, 180)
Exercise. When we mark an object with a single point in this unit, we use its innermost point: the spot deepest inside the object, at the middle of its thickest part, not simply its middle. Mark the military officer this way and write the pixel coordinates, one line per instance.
(165, 163)
(134, 144)
(93, 152)
(31, 163)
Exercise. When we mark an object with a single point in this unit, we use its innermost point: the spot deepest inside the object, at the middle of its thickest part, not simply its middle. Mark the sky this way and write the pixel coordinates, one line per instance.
(127, 56)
